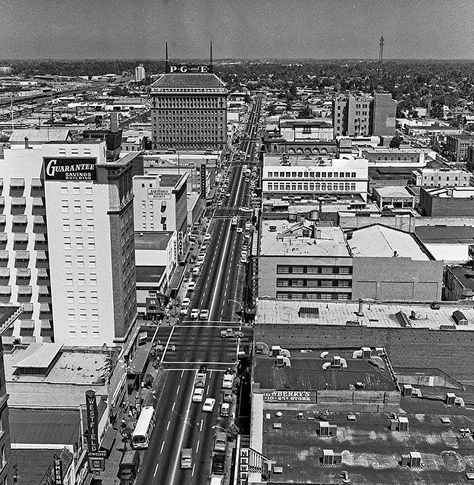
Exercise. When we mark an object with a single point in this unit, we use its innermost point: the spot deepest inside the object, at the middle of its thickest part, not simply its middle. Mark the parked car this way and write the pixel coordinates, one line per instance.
(194, 314)
(198, 394)
(203, 314)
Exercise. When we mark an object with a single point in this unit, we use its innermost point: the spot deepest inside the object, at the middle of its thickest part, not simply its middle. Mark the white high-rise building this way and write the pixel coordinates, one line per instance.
(140, 73)
(68, 243)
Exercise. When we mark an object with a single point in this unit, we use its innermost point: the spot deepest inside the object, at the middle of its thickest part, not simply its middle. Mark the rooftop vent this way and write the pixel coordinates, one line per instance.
(272, 229)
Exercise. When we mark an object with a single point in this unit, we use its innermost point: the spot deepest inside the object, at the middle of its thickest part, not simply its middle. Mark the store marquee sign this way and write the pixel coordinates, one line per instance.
(70, 169)
(290, 396)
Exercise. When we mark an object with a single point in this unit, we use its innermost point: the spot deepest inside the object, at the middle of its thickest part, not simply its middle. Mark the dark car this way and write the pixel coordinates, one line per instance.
(218, 464)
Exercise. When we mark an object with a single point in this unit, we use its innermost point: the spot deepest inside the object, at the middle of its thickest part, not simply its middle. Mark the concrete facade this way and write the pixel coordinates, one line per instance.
(455, 202)
(441, 177)
(91, 249)
(189, 111)
(384, 111)
(397, 279)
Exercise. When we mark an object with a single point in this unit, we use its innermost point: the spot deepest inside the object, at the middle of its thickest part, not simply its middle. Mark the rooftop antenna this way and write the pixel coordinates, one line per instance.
(210, 55)
(379, 67)
(167, 61)
(11, 110)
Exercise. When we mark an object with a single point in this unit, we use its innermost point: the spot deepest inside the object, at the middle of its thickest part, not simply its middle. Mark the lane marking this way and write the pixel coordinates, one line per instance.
(194, 466)
(174, 404)
(181, 439)
(156, 469)
(167, 343)
(161, 450)
(200, 427)
(168, 425)
(177, 389)
(197, 446)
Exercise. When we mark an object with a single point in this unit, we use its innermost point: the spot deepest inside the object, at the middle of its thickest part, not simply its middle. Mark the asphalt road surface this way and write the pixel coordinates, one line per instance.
(180, 422)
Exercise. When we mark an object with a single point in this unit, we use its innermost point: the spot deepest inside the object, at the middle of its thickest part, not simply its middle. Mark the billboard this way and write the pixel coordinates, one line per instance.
(188, 68)
(202, 173)
(290, 396)
(70, 168)
(92, 422)
(159, 194)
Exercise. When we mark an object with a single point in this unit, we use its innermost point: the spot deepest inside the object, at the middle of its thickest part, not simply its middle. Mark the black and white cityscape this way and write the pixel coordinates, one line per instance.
(237, 242)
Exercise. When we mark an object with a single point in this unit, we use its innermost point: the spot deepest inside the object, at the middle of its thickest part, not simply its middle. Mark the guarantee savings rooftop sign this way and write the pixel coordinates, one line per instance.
(70, 169)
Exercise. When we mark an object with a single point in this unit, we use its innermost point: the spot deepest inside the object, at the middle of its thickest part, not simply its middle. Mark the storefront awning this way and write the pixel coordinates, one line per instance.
(109, 438)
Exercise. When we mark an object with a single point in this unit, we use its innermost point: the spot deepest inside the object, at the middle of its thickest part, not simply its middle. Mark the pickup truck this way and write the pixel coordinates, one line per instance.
(200, 380)
(229, 332)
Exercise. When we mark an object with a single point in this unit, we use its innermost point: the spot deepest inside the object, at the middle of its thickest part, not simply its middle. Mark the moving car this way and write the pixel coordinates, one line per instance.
(228, 396)
(204, 315)
(198, 394)
(194, 314)
(186, 458)
(220, 441)
(192, 286)
(208, 405)
(200, 380)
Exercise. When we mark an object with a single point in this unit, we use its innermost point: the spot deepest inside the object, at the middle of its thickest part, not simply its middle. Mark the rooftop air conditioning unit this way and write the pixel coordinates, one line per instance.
(279, 361)
(450, 398)
(276, 350)
(403, 424)
(415, 459)
(336, 361)
(328, 457)
(407, 390)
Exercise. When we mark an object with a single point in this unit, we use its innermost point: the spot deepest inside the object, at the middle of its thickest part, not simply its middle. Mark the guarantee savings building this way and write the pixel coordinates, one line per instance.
(67, 243)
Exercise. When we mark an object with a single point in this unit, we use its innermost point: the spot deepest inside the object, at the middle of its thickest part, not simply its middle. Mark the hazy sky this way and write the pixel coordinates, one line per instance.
(441, 29)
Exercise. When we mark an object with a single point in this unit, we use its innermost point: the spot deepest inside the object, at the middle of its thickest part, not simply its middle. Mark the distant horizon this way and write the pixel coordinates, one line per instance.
(243, 29)
(226, 59)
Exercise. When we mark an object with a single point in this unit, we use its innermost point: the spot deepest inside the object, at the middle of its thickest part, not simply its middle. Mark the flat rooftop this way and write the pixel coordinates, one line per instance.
(375, 315)
(393, 191)
(382, 241)
(72, 367)
(313, 161)
(445, 234)
(371, 453)
(283, 238)
(149, 274)
(152, 240)
(452, 193)
(305, 206)
(307, 374)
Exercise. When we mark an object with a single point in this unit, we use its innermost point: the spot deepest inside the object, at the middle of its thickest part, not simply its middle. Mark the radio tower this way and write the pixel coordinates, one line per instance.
(379, 68)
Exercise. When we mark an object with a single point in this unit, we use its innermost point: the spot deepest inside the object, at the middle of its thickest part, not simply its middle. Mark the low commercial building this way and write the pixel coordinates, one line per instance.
(302, 129)
(441, 177)
(449, 244)
(303, 261)
(393, 197)
(457, 146)
(303, 411)
(447, 202)
(393, 265)
(311, 176)
(396, 157)
(459, 283)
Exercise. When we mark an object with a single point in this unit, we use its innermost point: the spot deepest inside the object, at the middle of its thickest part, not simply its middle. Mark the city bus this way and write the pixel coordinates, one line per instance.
(144, 428)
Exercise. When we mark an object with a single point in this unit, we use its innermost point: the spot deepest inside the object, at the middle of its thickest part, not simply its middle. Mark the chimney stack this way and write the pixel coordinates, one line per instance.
(27, 146)
(360, 313)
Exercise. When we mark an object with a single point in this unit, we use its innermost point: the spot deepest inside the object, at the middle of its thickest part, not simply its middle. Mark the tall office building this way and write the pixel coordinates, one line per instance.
(140, 73)
(364, 115)
(67, 249)
(384, 113)
(189, 109)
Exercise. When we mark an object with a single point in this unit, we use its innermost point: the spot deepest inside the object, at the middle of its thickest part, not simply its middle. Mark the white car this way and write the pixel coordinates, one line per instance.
(194, 314)
(203, 314)
(228, 381)
(239, 229)
(185, 302)
(207, 237)
(191, 286)
(208, 405)
(183, 311)
(198, 394)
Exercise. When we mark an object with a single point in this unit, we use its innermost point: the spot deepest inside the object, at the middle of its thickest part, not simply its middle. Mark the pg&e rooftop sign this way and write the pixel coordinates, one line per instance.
(188, 68)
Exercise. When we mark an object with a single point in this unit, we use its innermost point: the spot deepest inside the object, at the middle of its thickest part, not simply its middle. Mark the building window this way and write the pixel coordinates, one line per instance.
(283, 269)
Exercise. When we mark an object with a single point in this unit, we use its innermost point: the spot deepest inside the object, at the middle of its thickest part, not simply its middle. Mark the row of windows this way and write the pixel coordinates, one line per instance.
(312, 296)
(79, 243)
(81, 279)
(312, 175)
(312, 186)
(286, 269)
(190, 102)
(75, 190)
(80, 261)
(84, 331)
(313, 283)
(78, 226)
(80, 297)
